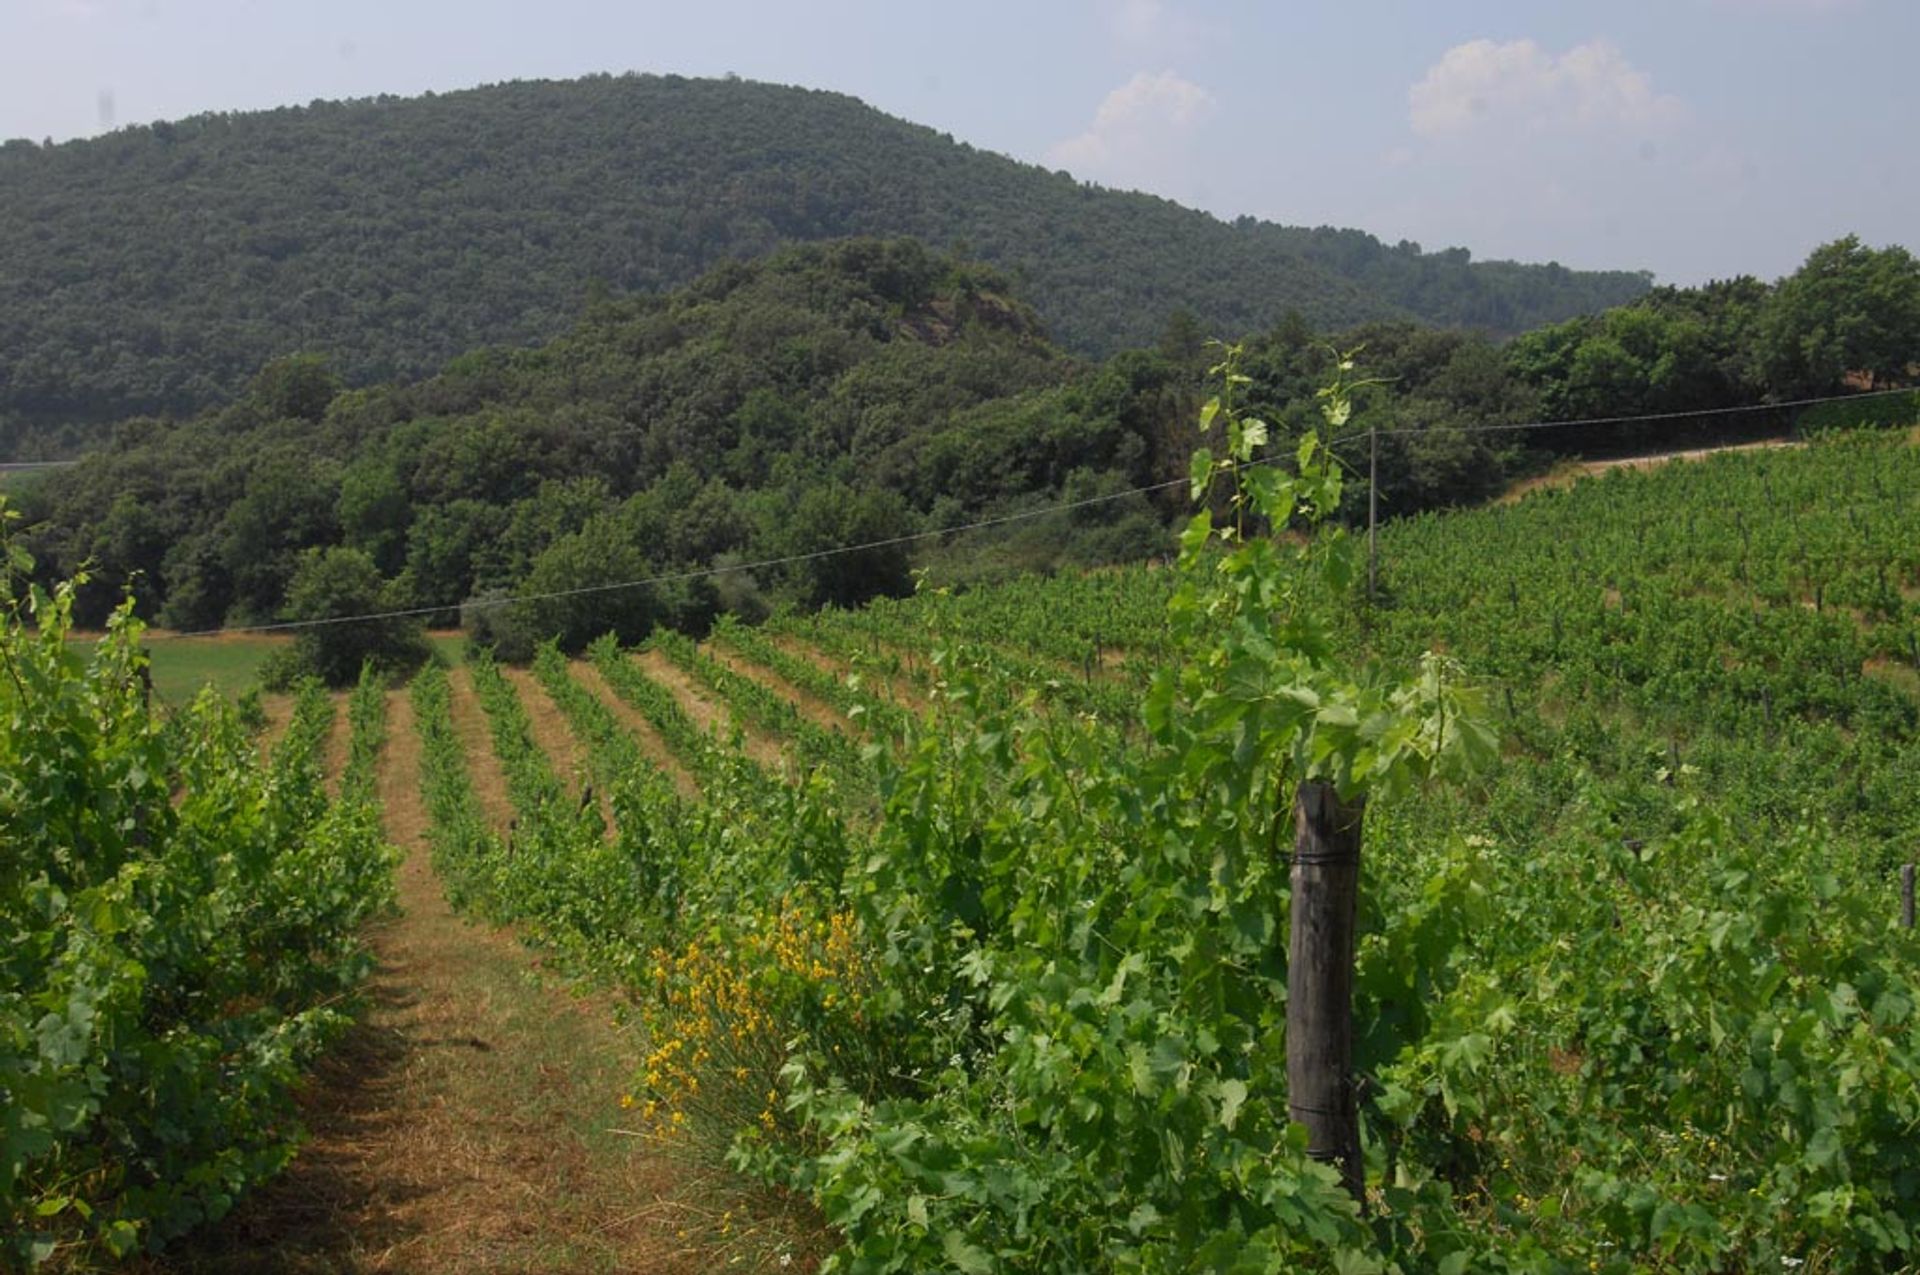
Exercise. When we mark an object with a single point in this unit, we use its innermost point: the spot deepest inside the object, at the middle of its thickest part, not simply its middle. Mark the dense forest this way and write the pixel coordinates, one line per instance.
(872, 390)
(155, 269)
(824, 396)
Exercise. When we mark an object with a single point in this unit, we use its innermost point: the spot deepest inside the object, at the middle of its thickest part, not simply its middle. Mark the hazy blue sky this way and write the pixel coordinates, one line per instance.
(1695, 138)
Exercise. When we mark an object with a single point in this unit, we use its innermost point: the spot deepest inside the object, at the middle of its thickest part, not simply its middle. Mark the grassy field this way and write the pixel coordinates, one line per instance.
(231, 664)
(449, 643)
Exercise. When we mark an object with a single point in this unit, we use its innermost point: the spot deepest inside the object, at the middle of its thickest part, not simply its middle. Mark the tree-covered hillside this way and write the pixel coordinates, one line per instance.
(156, 268)
(824, 396)
(862, 390)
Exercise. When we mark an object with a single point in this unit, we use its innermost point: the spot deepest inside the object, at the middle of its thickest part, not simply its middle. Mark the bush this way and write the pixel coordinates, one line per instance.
(580, 587)
(1878, 412)
(494, 625)
(329, 584)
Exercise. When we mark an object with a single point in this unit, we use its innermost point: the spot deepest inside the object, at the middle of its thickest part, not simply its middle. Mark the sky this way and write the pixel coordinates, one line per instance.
(1697, 139)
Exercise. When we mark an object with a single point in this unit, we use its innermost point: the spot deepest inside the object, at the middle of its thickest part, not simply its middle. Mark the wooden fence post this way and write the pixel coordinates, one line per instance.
(1906, 897)
(1326, 888)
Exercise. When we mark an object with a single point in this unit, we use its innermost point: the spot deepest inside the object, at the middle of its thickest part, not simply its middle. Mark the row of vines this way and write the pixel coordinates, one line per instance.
(990, 964)
(1006, 990)
(178, 927)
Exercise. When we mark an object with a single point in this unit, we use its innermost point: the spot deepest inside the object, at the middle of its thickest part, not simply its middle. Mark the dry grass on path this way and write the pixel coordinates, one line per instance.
(637, 725)
(898, 689)
(554, 736)
(813, 709)
(470, 1122)
(279, 713)
(339, 746)
(476, 740)
(707, 713)
(1900, 676)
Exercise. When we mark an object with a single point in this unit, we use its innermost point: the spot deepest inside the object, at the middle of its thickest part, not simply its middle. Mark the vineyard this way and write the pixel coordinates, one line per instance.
(964, 916)
(181, 927)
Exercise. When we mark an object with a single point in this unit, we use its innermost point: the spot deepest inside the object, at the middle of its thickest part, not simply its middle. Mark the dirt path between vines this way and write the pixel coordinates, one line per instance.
(470, 1121)
(279, 714)
(333, 757)
(898, 689)
(476, 740)
(707, 713)
(555, 737)
(807, 705)
(638, 726)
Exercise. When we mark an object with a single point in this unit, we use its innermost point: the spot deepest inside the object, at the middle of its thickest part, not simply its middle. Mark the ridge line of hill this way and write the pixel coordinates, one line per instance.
(156, 268)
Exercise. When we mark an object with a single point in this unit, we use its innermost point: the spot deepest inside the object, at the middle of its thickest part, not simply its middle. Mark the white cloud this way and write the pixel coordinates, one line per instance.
(1137, 126)
(1483, 86)
(1522, 151)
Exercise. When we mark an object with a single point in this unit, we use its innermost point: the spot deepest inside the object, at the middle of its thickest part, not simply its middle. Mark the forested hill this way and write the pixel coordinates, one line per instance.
(825, 395)
(155, 269)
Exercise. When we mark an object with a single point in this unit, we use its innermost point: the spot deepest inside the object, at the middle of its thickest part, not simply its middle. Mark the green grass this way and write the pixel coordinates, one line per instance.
(451, 644)
(181, 666)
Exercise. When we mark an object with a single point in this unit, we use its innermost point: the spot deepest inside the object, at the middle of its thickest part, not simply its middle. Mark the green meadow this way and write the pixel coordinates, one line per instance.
(231, 664)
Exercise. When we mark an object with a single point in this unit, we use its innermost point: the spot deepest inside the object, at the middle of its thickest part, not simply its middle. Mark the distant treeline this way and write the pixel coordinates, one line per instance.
(865, 391)
(155, 269)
